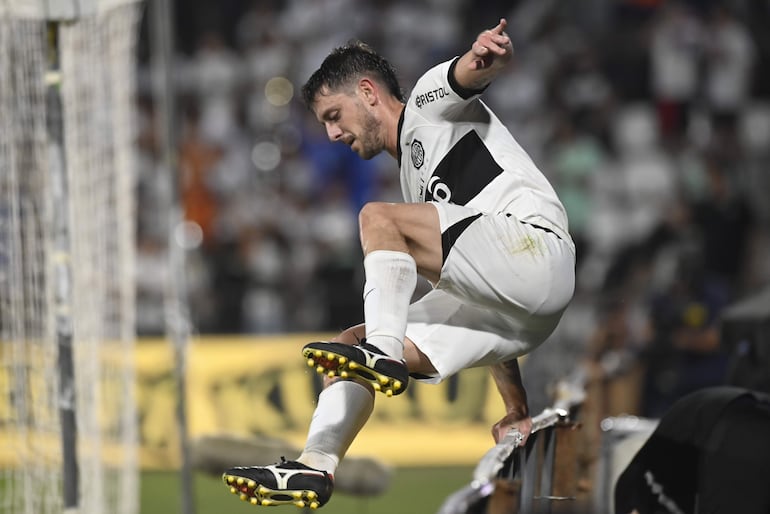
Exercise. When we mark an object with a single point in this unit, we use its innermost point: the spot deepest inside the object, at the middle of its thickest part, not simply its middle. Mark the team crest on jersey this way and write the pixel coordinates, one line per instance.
(418, 154)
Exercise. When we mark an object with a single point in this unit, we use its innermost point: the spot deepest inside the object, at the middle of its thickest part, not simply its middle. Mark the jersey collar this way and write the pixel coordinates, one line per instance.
(398, 134)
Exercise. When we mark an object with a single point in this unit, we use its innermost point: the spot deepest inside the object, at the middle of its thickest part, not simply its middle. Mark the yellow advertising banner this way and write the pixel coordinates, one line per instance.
(261, 386)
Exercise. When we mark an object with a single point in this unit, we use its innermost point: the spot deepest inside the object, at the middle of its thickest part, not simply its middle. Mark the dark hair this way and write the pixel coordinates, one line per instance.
(347, 63)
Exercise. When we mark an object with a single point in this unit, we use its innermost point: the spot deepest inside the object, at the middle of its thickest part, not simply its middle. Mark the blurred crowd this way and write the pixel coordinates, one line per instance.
(650, 118)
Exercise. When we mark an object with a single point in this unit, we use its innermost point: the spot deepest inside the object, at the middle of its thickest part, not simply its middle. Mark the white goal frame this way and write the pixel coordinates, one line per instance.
(67, 253)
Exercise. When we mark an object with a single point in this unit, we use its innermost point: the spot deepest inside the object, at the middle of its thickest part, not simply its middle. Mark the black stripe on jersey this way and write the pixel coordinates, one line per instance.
(400, 126)
(463, 92)
(463, 172)
(450, 235)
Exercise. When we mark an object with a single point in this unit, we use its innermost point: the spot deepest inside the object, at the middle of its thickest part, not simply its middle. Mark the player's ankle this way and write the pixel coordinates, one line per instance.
(388, 345)
(319, 460)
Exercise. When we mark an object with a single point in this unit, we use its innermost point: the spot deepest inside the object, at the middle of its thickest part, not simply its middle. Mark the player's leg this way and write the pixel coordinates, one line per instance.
(399, 240)
(444, 336)
(441, 327)
(343, 407)
(492, 260)
(413, 228)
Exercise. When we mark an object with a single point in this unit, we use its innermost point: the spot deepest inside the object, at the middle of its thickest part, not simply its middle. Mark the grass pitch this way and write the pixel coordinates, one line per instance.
(412, 491)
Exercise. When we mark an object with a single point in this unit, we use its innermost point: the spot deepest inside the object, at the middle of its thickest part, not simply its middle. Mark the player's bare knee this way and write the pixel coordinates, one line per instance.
(374, 216)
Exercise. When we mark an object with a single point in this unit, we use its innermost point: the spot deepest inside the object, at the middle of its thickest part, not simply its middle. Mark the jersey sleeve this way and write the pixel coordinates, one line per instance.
(437, 95)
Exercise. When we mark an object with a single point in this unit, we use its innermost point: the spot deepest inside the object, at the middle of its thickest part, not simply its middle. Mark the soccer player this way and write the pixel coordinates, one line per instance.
(480, 222)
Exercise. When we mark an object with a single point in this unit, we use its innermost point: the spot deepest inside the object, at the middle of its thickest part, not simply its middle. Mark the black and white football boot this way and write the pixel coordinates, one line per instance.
(363, 361)
(286, 483)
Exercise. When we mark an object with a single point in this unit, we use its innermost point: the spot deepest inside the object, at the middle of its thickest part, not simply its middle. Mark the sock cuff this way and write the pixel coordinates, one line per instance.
(390, 255)
(347, 387)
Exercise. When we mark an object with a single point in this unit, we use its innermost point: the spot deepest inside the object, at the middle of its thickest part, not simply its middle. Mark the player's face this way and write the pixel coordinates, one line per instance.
(347, 119)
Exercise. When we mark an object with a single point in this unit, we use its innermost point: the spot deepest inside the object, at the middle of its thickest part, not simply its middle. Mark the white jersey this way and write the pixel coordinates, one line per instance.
(452, 148)
(509, 262)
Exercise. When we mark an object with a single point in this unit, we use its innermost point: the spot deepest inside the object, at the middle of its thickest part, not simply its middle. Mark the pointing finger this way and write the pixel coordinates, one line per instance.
(500, 26)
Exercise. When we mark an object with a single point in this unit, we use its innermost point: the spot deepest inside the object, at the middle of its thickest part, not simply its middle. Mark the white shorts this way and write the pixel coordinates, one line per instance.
(504, 285)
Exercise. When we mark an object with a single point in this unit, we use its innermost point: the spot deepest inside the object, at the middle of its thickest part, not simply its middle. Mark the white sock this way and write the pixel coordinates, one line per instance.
(390, 281)
(342, 410)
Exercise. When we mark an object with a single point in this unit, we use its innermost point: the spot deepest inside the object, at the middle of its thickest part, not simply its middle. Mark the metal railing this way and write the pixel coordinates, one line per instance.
(536, 478)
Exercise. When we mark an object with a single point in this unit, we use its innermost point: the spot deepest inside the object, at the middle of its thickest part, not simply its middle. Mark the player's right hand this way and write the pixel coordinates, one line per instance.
(491, 45)
(509, 422)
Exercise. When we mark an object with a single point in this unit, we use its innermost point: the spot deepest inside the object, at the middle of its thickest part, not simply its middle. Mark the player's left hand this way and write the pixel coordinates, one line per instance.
(490, 46)
(512, 421)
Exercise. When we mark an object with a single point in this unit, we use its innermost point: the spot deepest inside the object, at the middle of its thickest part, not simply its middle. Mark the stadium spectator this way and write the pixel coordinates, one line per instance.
(480, 222)
(575, 158)
(675, 51)
(197, 158)
(729, 61)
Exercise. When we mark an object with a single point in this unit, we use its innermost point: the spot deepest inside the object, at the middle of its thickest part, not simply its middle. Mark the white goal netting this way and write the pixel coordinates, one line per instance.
(67, 259)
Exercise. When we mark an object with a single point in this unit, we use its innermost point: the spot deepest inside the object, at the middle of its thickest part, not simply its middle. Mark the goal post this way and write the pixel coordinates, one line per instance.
(67, 257)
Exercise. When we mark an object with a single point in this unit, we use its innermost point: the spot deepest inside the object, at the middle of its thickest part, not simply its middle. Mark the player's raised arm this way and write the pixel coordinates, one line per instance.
(488, 55)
